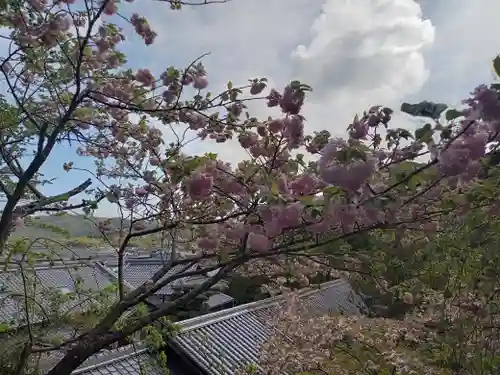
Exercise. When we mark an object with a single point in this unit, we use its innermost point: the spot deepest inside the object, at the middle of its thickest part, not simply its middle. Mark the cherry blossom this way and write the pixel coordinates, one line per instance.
(296, 193)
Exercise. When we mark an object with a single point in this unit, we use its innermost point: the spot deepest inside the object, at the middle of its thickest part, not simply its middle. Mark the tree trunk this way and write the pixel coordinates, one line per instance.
(5, 229)
(75, 356)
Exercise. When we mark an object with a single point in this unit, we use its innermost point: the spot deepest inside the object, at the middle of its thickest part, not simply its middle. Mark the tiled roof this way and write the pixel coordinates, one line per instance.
(218, 299)
(64, 278)
(221, 342)
(127, 360)
(139, 270)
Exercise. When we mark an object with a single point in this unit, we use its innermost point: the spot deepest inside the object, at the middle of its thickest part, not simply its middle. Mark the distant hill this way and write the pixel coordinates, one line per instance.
(75, 229)
(49, 225)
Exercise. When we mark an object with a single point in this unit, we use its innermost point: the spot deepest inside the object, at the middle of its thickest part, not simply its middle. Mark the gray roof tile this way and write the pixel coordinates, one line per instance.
(138, 271)
(63, 278)
(221, 342)
(127, 360)
(218, 299)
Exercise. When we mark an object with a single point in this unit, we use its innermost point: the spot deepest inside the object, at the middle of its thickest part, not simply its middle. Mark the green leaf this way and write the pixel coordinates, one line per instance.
(230, 85)
(274, 188)
(4, 327)
(424, 134)
(332, 191)
(415, 182)
(445, 133)
(307, 199)
(496, 65)
(452, 114)
(403, 133)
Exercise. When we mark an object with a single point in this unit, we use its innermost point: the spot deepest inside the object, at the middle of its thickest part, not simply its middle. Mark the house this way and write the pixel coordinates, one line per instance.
(139, 269)
(60, 286)
(220, 342)
(48, 286)
(48, 303)
(133, 359)
(127, 360)
(217, 302)
(217, 343)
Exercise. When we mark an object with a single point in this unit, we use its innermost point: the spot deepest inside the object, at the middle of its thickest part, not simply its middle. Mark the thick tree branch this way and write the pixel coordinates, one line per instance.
(42, 204)
(85, 203)
(101, 336)
(50, 140)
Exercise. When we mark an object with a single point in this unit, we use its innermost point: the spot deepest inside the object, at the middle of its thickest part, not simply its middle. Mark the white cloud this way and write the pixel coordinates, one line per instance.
(354, 53)
(362, 53)
(467, 39)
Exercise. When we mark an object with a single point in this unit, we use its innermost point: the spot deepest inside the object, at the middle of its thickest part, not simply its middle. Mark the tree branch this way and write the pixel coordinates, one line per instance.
(63, 197)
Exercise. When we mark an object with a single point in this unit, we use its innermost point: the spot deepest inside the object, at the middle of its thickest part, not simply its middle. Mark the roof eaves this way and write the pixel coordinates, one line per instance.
(114, 276)
(220, 342)
(6, 310)
(58, 265)
(112, 356)
(196, 322)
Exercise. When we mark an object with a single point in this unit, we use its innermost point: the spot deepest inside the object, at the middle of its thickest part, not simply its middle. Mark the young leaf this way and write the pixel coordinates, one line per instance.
(496, 65)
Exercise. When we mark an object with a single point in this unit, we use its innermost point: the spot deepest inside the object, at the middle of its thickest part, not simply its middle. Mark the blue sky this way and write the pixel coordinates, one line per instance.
(355, 53)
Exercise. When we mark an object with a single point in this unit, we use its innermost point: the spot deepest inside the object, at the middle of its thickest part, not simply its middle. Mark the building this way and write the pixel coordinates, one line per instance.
(47, 302)
(220, 342)
(139, 269)
(71, 285)
(134, 359)
(127, 360)
(216, 343)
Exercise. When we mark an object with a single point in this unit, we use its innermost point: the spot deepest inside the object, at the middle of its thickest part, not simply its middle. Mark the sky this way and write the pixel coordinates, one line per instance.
(354, 53)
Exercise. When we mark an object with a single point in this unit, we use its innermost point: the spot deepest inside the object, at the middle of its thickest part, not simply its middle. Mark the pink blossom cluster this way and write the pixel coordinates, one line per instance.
(342, 345)
(295, 192)
(143, 29)
(377, 115)
(342, 164)
(461, 155)
(351, 175)
(294, 186)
